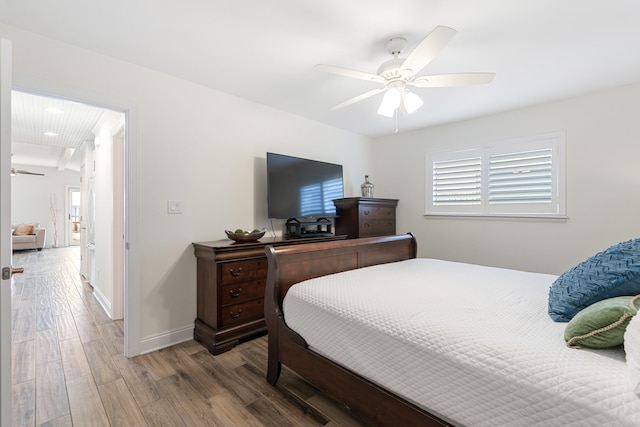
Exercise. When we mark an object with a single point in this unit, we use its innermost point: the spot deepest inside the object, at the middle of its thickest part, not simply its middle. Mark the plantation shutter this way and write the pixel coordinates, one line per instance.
(523, 177)
(457, 182)
(517, 178)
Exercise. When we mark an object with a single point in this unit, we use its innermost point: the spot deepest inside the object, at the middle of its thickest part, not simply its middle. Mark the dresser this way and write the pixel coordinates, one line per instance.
(365, 217)
(231, 280)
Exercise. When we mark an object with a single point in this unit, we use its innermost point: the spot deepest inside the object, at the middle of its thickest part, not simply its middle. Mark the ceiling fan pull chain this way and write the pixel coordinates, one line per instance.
(396, 114)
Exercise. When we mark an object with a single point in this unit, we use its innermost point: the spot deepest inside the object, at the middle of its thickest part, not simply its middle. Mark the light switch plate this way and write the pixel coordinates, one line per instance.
(174, 206)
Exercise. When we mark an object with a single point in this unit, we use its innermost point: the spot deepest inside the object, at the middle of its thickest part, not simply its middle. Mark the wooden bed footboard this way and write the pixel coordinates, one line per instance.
(292, 264)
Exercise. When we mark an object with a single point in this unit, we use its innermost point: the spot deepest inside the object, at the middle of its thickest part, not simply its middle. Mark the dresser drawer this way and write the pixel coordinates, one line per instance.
(380, 227)
(243, 271)
(241, 313)
(241, 292)
(377, 212)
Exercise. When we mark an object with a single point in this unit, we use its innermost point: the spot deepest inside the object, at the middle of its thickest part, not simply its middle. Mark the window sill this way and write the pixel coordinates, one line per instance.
(520, 217)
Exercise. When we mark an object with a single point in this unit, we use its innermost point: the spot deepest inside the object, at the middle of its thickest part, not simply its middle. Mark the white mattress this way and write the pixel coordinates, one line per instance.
(472, 344)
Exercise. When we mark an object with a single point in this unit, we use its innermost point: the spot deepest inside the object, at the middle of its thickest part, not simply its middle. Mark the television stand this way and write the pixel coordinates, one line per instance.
(295, 229)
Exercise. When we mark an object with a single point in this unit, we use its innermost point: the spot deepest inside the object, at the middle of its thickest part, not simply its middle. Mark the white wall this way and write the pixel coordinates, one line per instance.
(603, 184)
(106, 285)
(30, 196)
(197, 145)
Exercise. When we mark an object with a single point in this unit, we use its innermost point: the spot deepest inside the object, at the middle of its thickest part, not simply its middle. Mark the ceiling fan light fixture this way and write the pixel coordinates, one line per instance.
(411, 102)
(390, 102)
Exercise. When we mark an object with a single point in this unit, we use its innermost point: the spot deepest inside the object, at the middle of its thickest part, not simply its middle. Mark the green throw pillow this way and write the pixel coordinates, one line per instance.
(601, 325)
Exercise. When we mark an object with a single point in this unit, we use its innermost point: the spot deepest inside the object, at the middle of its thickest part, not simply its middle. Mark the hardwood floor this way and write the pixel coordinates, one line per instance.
(68, 366)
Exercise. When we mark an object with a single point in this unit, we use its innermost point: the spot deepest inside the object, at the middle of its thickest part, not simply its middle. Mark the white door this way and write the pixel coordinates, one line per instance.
(73, 216)
(5, 232)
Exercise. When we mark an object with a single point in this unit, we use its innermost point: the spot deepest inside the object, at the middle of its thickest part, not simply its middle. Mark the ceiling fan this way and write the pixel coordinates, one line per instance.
(398, 73)
(15, 172)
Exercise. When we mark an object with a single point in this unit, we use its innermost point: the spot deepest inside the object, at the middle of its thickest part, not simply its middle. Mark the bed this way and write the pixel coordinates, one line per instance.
(409, 341)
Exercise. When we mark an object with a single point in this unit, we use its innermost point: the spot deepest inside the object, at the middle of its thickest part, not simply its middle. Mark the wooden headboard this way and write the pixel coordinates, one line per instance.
(292, 264)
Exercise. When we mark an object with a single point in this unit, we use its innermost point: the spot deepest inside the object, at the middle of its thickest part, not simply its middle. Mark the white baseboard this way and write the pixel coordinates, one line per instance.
(104, 302)
(157, 342)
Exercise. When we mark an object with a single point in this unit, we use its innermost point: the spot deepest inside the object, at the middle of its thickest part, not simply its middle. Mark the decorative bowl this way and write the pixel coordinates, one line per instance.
(245, 237)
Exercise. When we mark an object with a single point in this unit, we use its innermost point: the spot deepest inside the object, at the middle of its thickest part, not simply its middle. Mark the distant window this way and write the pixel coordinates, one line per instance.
(523, 177)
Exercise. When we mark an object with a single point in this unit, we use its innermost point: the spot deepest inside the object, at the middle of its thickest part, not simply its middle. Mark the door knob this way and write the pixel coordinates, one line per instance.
(7, 272)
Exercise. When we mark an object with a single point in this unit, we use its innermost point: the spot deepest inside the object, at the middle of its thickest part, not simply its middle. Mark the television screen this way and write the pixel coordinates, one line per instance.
(302, 188)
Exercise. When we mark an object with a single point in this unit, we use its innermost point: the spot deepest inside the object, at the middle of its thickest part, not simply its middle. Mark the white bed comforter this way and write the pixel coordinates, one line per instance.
(472, 344)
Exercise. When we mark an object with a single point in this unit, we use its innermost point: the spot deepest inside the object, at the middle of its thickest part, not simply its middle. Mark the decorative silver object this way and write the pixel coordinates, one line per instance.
(367, 187)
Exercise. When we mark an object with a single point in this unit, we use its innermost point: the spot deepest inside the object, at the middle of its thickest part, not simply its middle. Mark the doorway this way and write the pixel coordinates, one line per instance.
(73, 216)
(73, 143)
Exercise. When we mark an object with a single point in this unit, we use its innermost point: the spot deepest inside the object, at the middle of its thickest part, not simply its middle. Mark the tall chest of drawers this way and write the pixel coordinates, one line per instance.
(231, 280)
(365, 217)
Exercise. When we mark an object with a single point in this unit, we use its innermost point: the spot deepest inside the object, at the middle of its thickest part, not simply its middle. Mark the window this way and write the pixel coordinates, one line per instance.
(523, 177)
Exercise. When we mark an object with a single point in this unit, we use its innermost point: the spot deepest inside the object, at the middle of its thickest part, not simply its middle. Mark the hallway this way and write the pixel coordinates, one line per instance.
(69, 369)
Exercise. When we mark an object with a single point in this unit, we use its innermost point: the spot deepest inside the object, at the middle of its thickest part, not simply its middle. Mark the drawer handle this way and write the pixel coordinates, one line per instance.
(235, 294)
(235, 273)
(235, 315)
(366, 212)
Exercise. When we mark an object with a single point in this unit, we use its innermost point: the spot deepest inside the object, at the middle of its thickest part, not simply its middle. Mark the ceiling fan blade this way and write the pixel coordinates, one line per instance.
(457, 79)
(24, 172)
(427, 49)
(358, 98)
(346, 72)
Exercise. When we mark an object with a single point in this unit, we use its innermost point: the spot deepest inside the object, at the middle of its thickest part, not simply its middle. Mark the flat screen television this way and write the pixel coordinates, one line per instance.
(302, 188)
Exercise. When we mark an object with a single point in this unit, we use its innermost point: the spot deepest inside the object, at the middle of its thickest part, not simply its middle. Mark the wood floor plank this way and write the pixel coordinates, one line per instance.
(24, 326)
(192, 372)
(44, 319)
(23, 400)
(191, 346)
(156, 365)
(119, 404)
(162, 413)
(63, 421)
(87, 329)
(113, 338)
(66, 327)
(193, 409)
(272, 415)
(74, 360)
(51, 394)
(47, 348)
(101, 364)
(23, 361)
(144, 388)
(224, 376)
(77, 307)
(96, 311)
(228, 411)
(60, 306)
(85, 403)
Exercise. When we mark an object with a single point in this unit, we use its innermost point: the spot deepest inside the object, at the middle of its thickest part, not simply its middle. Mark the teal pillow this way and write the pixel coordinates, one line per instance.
(611, 273)
(601, 325)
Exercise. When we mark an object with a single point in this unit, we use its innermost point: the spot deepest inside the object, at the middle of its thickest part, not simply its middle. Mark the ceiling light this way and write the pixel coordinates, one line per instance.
(411, 102)
(54, 110)
(51, 134)
(390, 102)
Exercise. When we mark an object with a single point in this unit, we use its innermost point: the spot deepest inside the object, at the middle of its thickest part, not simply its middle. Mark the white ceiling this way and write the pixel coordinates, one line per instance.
(49, 132)
(265, 51)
